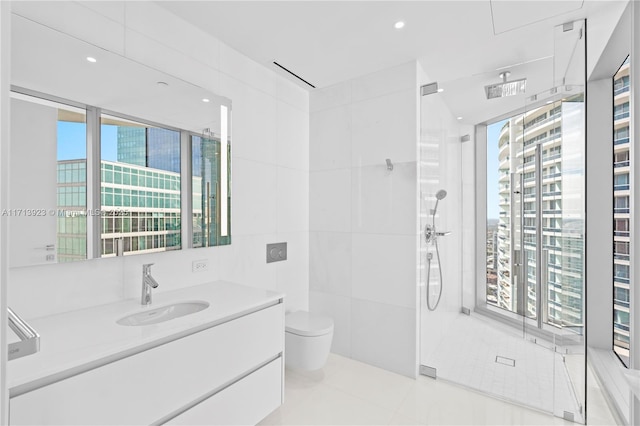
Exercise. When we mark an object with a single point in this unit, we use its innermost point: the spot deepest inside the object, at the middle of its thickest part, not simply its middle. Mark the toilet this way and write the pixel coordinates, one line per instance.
(307, 340)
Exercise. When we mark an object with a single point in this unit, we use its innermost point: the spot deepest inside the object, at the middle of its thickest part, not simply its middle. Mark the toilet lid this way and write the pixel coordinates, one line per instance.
(304, 323)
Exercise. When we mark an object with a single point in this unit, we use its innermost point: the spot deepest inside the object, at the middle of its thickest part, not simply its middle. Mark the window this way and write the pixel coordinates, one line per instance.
(621, 182)
(621, 271)
(621, 109)
(622, 132)
(621, 227)
(621, 82)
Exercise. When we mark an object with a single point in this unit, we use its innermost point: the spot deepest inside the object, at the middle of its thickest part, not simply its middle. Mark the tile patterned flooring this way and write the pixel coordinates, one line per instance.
(348, 392)
(537, 377)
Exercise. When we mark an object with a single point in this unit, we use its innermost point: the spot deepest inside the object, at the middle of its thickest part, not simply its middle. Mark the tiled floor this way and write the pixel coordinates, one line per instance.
(348, 392)
(471, 360)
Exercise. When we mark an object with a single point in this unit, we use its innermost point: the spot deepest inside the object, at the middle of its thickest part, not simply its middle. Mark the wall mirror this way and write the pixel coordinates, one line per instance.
(108, 156)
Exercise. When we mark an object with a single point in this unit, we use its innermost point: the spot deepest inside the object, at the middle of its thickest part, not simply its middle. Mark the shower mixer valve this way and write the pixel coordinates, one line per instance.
(430, 233)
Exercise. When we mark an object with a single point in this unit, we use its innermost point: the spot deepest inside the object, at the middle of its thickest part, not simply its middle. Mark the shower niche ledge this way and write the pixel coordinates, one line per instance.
(222, 365)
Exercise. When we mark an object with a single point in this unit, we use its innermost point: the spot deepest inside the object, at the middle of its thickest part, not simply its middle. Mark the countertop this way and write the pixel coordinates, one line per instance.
(77, 341)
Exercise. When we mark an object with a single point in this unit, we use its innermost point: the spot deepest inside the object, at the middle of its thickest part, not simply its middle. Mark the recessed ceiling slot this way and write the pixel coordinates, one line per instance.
(294, 74)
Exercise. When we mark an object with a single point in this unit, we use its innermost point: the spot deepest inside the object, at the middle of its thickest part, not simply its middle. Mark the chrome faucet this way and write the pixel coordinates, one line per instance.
(148, 282)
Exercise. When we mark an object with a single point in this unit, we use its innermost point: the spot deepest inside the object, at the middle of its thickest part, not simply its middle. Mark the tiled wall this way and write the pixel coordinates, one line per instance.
(270, 164)
(363, 224)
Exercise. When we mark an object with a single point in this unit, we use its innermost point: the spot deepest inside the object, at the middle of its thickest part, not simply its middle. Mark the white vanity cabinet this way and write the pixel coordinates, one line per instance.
(230, 373)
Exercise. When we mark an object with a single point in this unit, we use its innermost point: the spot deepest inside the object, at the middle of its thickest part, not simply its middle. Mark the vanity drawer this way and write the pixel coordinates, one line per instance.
(245, 402)
(144, 388)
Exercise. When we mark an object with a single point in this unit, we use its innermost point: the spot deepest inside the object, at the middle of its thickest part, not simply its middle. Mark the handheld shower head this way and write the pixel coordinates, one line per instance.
(439, 196)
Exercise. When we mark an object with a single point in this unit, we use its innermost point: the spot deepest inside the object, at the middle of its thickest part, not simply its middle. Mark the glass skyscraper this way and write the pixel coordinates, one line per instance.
(152, 147)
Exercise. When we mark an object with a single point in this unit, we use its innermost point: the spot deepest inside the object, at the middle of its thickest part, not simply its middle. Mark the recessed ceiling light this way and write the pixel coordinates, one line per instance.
(459, 118)
(440, 90)
(548, 102)
(398, 25)
(205, 100)
(91, 59)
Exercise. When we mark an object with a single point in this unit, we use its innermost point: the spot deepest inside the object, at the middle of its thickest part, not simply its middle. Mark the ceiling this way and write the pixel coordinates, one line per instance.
(461, 44)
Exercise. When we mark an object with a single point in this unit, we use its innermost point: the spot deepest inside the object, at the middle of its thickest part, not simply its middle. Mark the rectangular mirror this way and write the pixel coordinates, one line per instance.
(100, 149)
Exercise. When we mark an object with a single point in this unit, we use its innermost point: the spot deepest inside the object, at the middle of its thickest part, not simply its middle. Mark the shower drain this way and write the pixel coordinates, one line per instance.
(505, 361)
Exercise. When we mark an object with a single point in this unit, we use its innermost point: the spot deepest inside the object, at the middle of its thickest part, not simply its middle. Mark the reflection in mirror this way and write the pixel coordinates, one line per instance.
(210, 225)
(72, 185)
(111, 139)
(47, 181)
(140, 187)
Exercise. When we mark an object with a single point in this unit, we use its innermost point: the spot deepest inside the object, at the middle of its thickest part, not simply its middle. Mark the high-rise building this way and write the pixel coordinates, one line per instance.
(139, 205)
(621, 213)
(149, 147)
(562, 241)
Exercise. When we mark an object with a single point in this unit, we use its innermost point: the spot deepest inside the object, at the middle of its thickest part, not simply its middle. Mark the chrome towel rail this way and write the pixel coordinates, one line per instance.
(29, 338)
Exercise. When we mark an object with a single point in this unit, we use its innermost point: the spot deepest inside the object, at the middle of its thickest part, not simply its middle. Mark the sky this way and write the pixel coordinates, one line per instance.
(72, 138)
(493, 132)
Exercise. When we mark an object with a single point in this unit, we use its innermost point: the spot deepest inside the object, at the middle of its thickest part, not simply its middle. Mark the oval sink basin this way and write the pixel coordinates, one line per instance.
(162, 314)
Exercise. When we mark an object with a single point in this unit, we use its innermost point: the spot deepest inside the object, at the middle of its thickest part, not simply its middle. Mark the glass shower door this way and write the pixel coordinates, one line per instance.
(552, 231)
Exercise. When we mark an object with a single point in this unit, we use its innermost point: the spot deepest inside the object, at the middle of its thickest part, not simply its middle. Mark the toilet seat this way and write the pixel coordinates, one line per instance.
(306, 324)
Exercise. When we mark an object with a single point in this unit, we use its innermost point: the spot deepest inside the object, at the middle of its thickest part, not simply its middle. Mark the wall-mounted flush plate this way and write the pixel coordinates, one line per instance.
(199, 265)
(276, 252)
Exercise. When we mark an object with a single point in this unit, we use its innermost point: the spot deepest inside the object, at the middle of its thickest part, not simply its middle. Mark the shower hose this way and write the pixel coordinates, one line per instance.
(429, 257)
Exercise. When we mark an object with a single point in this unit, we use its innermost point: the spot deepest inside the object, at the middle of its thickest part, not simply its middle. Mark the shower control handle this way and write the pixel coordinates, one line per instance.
(430, 233)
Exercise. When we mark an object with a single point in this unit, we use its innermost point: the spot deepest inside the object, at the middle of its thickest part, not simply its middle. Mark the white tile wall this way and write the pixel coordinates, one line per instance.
(253, 197)
(244, 261)
(235, 64)
(339, 308)
(330, 265)
(270, 163)
(384, 335)
(384, 127)
(383, 201)
(330, 200)
(292, 137)
(389, 81)
(363, 217)
(384, 269)
(331, 97)
(331, 147)
(253, 121)
(294, 271)
(292, 95)
(292, 200)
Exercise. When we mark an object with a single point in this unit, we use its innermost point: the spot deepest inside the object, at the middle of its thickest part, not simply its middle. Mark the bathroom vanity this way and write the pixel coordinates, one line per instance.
(219, 365)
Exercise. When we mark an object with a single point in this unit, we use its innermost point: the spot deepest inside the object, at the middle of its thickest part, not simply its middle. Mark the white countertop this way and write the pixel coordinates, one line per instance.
(77, 341)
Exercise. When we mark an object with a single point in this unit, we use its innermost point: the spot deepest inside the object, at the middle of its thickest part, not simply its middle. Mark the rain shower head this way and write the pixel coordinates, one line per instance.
(506, 88)
(441, 194)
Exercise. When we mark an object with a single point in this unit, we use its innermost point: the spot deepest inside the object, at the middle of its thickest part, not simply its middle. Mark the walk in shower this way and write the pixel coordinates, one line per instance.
(511, 318)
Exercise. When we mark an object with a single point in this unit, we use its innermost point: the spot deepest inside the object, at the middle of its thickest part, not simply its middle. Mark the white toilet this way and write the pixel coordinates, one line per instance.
(307, 340)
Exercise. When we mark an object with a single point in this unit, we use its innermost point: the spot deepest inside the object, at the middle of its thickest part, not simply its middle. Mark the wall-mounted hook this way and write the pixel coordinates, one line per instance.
(389, 165)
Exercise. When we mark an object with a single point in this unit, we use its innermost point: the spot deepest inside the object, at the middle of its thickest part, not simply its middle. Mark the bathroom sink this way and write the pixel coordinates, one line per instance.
(162, 314)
